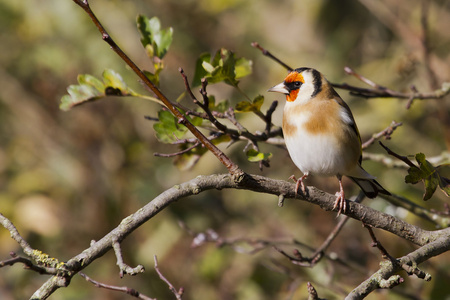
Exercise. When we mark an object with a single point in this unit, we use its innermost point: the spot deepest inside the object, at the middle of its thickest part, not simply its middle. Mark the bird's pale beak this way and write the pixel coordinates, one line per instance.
(279, 88)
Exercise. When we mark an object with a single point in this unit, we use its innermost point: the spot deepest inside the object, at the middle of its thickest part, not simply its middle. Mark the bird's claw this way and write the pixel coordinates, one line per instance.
(340, 204)
(299, 183)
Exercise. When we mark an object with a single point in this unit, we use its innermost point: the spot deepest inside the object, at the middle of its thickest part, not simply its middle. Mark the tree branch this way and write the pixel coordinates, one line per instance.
(249, 182)
(386, 133)
(377, 91)
(123, 289)
(178, 294)
(28, 264)
(385, 278)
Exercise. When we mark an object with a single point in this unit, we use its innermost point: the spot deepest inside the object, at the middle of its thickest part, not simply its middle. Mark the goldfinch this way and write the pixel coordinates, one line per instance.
(321, 134)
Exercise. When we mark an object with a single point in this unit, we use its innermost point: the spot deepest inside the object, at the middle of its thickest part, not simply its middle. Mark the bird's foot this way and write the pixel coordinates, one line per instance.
(299, 183)
(340, 204)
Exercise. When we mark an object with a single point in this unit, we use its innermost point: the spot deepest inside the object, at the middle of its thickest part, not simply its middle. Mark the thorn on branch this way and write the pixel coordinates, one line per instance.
(411, 99)
(312, 293)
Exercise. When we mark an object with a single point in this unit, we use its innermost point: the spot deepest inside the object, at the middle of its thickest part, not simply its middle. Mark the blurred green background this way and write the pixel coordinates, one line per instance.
(67, 178)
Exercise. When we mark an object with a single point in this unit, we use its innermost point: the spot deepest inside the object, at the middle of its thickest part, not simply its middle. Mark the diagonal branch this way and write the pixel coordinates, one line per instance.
(178, 294)
(230, 165)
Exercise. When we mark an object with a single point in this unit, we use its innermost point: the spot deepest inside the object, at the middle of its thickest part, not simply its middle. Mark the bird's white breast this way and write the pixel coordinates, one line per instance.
(320, 153)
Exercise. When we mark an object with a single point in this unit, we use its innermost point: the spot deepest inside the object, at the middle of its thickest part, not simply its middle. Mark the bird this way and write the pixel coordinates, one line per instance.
(321, 135)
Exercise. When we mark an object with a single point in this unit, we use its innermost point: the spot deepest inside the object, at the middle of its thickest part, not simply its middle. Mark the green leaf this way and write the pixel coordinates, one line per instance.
(414, 175)
(444, 185)
(221, 107)
(256, 156)
(167, 129)
(144, 30)
(243, 67)
(429, 175)
(196, 121)
(153, 77)
(245, 106)
(200, 71)
(114, 80)
(222, 67)
(431, 183)
(208, 67)
(91, 88)
(155, 40)
(90, 80)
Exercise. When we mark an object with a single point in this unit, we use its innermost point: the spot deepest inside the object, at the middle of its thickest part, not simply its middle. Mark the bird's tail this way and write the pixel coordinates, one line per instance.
(370, 187)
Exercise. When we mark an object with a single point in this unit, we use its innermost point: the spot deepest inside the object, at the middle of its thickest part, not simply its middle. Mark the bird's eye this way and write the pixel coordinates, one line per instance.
(294, 85)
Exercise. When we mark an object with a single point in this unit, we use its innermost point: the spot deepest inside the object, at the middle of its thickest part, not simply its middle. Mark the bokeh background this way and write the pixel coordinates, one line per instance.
(67, 178)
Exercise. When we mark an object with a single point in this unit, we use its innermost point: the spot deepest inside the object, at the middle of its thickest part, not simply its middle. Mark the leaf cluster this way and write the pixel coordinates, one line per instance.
(430, 176)
(222, 67)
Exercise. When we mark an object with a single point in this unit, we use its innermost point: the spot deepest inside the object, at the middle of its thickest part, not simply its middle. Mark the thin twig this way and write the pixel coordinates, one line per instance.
(178, 294)
(186, 84)
(367, 81)
(124, 289)
(431, 75)
(196, 144)
(28, 264)
(376, 243)
(405, 159)
(16, 235)
(268, 54)
(124, 268)
(386, 133)
(268, 117)
(41, 258)
(333, 234)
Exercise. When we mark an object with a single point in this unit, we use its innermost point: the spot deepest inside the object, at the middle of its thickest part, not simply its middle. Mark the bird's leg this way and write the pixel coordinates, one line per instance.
(340, 202)
(300, 183)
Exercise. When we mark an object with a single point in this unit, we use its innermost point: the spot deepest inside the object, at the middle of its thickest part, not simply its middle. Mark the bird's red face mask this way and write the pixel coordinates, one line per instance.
(290, 86)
